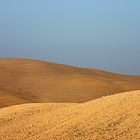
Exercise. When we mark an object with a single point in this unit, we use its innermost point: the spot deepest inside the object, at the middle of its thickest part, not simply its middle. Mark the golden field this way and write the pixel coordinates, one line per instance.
(47, 101)
(115, 117)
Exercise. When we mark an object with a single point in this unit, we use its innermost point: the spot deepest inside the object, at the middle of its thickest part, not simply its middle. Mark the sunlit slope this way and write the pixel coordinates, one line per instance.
(115, 117)
(39, 81)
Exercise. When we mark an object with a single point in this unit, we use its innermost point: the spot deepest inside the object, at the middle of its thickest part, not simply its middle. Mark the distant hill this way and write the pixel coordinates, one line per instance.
(28, 81)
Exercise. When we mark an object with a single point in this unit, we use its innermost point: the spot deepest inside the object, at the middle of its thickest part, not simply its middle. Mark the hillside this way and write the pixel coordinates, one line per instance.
(25, 80)
(115, 117)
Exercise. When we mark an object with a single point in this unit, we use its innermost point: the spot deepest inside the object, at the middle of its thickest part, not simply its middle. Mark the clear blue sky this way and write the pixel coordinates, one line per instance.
(90, 33)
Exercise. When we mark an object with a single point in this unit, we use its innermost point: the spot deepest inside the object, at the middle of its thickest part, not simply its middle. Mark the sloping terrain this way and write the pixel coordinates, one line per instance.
(7, 99)
(115, 117)
(24, 80)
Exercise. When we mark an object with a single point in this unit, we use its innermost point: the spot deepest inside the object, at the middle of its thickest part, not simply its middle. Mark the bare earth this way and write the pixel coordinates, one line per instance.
(59, 102)
(115, 117)
(29, 81)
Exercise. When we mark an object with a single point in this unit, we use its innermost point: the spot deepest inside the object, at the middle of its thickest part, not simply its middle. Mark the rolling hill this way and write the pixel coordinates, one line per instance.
(114, 117)
(29, 81)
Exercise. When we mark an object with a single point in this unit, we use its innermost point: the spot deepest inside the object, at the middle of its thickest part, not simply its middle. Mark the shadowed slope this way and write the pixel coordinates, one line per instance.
(38, 81)
(7, 99)
(115, 117)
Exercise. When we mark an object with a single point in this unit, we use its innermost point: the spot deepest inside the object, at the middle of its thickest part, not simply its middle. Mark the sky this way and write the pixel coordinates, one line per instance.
(102, 34)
